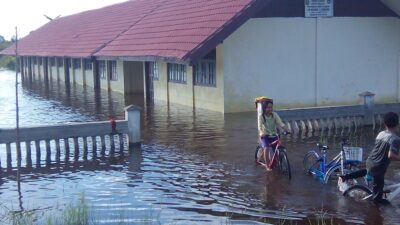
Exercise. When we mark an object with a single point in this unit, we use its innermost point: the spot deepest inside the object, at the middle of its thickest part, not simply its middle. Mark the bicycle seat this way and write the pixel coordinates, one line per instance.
(322, 147)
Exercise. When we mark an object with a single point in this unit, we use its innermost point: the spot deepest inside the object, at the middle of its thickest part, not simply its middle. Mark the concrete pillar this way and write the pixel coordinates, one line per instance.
(83, 69)
(132, 115)
(96, 77)
(21, 66)
(367, 100)
(45, 67)
(30, 68)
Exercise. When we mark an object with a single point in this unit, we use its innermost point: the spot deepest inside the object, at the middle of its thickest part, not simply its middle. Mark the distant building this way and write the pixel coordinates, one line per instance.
(220, 54)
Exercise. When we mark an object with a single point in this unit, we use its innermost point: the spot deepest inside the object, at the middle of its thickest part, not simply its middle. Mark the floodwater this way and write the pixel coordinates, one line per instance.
(194, 167)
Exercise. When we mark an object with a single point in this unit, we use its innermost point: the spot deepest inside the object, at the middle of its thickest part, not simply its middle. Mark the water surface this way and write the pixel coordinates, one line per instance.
(194, 166)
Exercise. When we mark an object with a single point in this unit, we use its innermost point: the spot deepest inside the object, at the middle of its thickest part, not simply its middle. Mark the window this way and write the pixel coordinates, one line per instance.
(205, 73)
(113, 70)
(153, 70)
(52, 62)
(88, 64)
(77, 63)
(60, 62)
(177, 72)
(102, 69)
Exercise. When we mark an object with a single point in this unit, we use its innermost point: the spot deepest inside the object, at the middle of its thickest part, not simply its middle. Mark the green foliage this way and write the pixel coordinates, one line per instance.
(6, 61)
(4, 44)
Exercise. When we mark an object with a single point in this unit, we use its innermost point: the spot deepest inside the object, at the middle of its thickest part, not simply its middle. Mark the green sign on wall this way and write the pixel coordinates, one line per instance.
(318, 8)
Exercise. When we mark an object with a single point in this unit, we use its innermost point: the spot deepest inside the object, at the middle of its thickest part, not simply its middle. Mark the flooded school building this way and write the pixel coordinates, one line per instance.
(220, 54)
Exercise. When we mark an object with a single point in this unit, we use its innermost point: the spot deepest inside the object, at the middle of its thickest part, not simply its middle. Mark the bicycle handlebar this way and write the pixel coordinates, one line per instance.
(322, 147)
(345, 141)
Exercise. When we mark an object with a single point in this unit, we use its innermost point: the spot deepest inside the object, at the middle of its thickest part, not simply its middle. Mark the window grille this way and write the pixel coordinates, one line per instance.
(102, 69)
(60, 62)
(77, 63)
(113, 71)
(153, 70)
(52, 62)
(177, 73)
(88, 64)
(205, 73)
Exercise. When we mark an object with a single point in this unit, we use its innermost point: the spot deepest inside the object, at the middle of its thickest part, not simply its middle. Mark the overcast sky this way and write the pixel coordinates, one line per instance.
(27, 15)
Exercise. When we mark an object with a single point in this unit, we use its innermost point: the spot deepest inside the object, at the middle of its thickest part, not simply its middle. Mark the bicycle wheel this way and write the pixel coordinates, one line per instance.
(311, 162)
(358, 192)
(332, 175)
(258, 155)
(271, 152)
(284, 164)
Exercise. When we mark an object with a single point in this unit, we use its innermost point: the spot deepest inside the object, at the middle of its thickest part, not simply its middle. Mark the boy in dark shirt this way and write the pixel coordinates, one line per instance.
(387, 146)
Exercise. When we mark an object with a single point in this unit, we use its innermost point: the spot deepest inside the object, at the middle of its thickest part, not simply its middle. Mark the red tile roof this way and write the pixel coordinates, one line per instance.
(172, 29)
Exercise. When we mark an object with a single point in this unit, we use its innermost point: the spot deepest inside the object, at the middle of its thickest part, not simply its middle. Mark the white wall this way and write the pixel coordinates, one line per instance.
(212, 98)
(89, 77)
(365, 59)
(160, 87)
(182, 93)
(118, 85)
(53, 72)
(307, 62)
(266, 57)
(78, 74)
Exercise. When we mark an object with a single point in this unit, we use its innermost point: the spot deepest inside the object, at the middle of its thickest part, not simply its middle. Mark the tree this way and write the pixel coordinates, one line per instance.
(6, 61)
(13, 39)
(3, 43)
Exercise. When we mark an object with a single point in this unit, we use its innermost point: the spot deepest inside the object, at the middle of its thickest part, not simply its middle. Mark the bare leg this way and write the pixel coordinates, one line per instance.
(267, 159)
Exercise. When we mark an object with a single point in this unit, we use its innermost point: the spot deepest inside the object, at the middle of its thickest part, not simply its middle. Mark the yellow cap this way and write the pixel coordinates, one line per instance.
(262, 99)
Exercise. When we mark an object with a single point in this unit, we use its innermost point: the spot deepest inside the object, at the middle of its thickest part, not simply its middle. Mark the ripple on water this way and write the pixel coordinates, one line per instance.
(195, 167)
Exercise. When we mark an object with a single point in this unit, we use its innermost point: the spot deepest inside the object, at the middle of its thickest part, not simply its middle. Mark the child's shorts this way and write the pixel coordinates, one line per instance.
(267, 140)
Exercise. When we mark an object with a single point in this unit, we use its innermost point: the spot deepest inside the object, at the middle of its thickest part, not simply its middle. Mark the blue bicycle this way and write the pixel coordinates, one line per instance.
(315, 162)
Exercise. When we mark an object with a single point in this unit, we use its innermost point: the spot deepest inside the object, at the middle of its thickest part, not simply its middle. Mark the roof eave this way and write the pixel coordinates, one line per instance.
(227, 29)
(147, 58)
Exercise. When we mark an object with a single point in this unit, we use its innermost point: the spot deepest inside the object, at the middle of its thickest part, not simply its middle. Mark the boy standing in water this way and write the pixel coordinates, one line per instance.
(387, 146)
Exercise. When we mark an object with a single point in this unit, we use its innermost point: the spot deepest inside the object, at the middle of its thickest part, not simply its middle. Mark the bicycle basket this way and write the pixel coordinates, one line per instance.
(353, 153)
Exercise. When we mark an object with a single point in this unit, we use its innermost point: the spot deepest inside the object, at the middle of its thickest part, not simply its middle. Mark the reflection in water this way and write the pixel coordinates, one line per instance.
(194, 167)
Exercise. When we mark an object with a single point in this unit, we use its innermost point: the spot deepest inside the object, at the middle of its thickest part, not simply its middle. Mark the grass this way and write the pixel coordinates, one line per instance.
(321, 218)
(9, 216)
(81, 214)
(73, 214)
(78, 214)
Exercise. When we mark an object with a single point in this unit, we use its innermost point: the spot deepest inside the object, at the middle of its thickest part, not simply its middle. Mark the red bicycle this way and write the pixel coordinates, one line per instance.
(277, 157)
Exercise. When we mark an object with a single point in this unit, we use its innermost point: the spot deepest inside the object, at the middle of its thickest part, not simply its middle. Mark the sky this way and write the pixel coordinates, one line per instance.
(28, 15)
